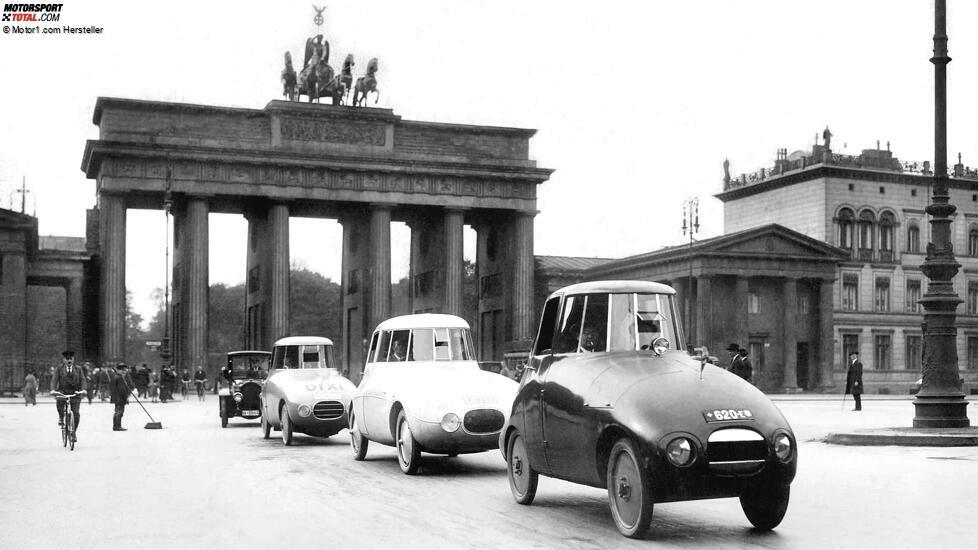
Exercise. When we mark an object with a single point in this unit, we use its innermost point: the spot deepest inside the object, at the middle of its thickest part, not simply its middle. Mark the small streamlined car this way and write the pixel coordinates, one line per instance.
(304, 391)
(610, 399)
(422, 390)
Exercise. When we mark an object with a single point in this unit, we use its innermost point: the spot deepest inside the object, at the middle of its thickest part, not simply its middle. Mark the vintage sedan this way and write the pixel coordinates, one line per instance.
(422, 390)
(610, 399)
(244, 372)
(304, 392)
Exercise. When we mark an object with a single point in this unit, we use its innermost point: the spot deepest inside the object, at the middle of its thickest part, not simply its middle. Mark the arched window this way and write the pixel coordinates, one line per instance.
(913, 238)
(864, 228)
(887, 221)
(973, 240)
(846, 219)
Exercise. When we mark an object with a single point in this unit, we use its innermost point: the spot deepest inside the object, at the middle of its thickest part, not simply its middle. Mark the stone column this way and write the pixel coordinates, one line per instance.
(741, 319)
(279, 271)
(113, 265)
(454, 261)
(74, 312)
(380, 263)
(789, 338)
(704, 312)
(196, 291)
(826, 335)
(523, 314)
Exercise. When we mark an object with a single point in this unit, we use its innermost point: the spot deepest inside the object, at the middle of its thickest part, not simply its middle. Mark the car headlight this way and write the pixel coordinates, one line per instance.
(238, 397)
(782, 447)
(304, 410)
(679, 451)
(660, 345)
(450, 422)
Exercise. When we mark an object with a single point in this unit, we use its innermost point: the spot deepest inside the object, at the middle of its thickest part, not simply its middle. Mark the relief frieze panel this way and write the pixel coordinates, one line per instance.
(346, 132)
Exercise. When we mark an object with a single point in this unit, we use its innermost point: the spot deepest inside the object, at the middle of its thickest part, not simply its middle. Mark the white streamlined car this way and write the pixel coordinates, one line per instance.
(422, 390)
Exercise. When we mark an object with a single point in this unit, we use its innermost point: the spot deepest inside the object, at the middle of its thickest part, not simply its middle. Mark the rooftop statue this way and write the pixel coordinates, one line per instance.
(366, 84)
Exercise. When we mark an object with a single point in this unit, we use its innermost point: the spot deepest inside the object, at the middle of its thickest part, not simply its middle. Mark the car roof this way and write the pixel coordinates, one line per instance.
(304, 341)
(249, 352)
(423, 320)
(642, 287)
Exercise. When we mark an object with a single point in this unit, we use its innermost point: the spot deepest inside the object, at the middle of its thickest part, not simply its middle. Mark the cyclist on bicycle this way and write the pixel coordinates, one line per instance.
(185, 386)
(68, 379)
(200, 378)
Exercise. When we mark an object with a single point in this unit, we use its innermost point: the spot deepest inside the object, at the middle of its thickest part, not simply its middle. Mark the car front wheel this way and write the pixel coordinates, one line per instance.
(224, 414)
(266, 428)
(408, 453)
(522, 478)
(358, 443)
(765, 507)
(628, 490)
(286, 427)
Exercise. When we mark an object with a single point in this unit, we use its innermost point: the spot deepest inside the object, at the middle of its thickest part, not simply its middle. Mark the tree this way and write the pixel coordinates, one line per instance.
(316, 307)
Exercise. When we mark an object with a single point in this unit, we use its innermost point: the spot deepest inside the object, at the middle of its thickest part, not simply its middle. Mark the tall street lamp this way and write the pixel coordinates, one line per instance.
(691, 226)
(940, 403)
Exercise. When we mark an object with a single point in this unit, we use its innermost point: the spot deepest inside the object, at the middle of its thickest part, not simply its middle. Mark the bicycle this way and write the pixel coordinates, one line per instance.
(67, 418)
(184, 389)
(200, 390)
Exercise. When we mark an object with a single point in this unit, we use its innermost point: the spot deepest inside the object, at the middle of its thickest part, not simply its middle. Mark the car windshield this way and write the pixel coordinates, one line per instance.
(249, 366)
(303, 357)
(616, 322)
(426, 344)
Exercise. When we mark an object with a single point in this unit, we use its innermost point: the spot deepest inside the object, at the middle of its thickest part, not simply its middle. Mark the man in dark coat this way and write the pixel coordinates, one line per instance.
(744, 369)
(121, 387)
(734, 350)
(854, 379)
(68, 379)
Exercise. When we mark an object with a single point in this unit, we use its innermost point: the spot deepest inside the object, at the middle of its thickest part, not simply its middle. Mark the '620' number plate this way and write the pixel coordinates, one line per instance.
(726, 415)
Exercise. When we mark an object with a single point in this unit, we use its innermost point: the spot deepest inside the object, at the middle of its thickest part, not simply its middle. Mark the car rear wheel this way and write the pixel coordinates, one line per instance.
(765, 507)
(358, 443)
(628, 490)
(408, 453)
(266, 428)
(286, 426)
(522, 478)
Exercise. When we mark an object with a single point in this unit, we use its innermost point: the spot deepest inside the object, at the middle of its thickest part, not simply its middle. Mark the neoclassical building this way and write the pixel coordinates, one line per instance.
(820, 256)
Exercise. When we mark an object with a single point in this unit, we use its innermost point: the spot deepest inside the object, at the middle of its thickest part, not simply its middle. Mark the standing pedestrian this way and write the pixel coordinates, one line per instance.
(89, 380)
(103, 379)
(121, 388)
(141, 378)
(734, 366)
(854, 379)
(30, 389)
(745, 368)
(154, 386)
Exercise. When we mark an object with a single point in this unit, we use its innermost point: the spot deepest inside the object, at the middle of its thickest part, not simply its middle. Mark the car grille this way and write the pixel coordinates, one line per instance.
(483, 421)
(328, 410)
(736, 451)
(250, 393)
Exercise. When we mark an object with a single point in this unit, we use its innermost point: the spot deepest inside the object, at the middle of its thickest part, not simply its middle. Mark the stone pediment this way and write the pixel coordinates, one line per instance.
(773, 240)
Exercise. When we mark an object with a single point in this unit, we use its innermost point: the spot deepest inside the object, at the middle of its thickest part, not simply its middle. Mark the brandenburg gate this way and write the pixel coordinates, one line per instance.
(365, 167)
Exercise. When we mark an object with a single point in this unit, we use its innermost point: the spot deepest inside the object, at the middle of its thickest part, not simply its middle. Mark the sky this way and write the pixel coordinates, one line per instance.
(636, 103)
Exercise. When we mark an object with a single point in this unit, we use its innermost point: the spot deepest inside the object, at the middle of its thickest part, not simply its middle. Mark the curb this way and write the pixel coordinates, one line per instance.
(907, 437)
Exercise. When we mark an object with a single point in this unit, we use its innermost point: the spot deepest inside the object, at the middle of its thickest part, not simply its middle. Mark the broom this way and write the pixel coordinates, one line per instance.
(152, 424)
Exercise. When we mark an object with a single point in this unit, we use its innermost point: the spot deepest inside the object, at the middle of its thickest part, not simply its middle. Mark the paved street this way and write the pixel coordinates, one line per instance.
(194, 485)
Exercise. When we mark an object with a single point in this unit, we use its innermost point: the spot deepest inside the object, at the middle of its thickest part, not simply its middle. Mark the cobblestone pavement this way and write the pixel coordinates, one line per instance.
(195, 485)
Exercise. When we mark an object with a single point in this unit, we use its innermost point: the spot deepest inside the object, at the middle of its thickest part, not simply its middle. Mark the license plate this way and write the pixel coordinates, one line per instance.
(250, 411)
(727, 415)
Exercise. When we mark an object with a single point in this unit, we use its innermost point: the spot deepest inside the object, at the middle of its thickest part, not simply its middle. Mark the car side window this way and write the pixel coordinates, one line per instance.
(545, 336)
(291, 357)
(594, 334)
(442, 352)
(384, 348)
(373, 347)
(569, 328)
(311, 357)
(399, 345)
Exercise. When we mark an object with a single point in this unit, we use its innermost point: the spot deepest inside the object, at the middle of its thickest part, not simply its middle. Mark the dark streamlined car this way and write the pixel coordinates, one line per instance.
(610, 399)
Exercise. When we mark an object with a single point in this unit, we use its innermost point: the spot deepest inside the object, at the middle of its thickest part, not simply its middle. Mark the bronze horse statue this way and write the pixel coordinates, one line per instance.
(317, 78)
(366, 84)
(346, 76)
(289, 82)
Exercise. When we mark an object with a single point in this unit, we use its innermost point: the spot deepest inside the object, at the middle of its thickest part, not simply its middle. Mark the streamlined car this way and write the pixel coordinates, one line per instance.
(610, 399)
(244, 372)
(304, 391)
(422, 390)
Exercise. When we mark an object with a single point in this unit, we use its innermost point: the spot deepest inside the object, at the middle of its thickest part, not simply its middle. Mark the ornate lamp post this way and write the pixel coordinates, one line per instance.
(691, 226)
(940, 403)
(166, 352)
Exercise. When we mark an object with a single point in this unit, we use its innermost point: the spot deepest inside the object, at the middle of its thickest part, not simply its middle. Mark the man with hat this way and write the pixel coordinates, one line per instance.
(121, 388)
(854, 379)
(734, 366)
(68, 379)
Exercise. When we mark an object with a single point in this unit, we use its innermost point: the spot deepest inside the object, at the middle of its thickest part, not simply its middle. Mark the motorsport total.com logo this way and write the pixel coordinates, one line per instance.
(31, 13)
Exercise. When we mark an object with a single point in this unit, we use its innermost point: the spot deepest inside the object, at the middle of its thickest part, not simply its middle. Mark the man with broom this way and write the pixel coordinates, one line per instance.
(120, 389)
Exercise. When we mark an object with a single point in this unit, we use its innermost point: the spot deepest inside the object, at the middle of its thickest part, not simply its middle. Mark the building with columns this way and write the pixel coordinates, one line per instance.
(820, 255)
(364, 167)
(30, 262)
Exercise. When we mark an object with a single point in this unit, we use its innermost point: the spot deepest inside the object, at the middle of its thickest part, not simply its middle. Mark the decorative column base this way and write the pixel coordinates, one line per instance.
(941, 410)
